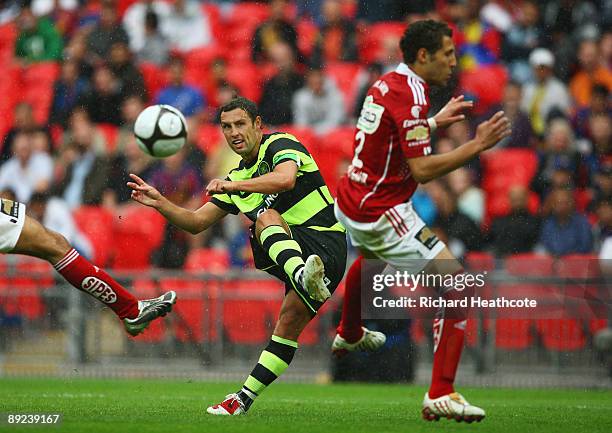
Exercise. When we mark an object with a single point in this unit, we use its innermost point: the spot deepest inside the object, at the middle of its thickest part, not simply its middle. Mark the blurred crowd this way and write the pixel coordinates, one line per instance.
(76, 74)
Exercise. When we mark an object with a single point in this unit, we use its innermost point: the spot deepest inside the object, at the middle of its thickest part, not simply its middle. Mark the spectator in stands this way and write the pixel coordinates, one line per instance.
(180, 182)
(424, 205)
(602, 183)
(523, 37)
(480, 42)
(522, 133)
(130, 160)
(63, 14)
(55, 214)
(546, 95)
(187, 26)
(108, 31)
(103, 101)
(277, 97)
(76, 51)
(130, 109)
(600, 151)
(79, 124)
(186, 98)
(319, 104)
(592, 71)
(67, 90)
(462, 233)
(275, 29)
(373, 73)
(470, 198)
(605, 46)
(603, 230)
(517, 232)
(391, 10)
(337, 38)
(38, 39)
(565, 231)
(600, 104)
(27, 171)
(128, 76)
(135, 20)
(559, 152)
(82, 170)
(156, 47)
(23, 122)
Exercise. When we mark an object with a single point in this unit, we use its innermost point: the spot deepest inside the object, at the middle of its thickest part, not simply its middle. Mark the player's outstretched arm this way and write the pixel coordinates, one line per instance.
(451, 112)
(188, 220)
(281, 179)
(488, 133)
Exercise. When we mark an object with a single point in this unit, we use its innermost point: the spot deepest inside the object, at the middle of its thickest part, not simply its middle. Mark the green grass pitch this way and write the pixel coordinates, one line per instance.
(141, 406)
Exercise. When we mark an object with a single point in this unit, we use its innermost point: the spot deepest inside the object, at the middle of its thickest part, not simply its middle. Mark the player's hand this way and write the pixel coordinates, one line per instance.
(218, 186)
(144, 193)
(493, 130)
(451, 112)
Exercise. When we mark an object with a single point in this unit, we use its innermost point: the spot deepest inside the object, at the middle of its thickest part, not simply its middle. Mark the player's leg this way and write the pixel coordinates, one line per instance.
(351, 335)
(275, 238)
(441, 400)
(275, 358)
(38, 241)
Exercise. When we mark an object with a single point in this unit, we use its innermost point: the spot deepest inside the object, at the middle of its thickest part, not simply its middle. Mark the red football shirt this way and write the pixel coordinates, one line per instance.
(391, 128)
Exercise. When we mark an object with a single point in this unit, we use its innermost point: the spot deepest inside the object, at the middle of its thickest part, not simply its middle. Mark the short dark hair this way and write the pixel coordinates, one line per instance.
(426, 34)
(244, 104)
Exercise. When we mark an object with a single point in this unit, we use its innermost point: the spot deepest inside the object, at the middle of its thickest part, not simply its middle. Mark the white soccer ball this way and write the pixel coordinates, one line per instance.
(160, 130)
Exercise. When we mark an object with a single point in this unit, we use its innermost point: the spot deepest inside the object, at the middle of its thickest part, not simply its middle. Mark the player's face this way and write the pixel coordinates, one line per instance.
(440, 64)
(241, 133)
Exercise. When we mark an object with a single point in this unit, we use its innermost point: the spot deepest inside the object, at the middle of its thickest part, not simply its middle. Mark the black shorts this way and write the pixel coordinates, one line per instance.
(330, 246)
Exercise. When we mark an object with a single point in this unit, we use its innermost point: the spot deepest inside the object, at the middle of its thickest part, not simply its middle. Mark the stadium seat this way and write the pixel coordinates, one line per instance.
(529, 264)
(8, 36)
(371, 38)
(209, 137)
(37, 81)
(245, 76)
(561, 335)
(485, 84)
(110, 133)
(479, 261)
(346, 76)
(195, 312)
(212, 260)
(155, 78)
(513, 334)
(96, 223)
(250, 309)
(137, 232)
(307, 32)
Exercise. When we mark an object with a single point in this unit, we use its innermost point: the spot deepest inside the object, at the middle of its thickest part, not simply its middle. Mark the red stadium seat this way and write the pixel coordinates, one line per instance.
(209, 137)
(307, 32)
(155, 78)
(561, 335)
(138, 231)
(250, 309)
(529, 264)
(195, 312)
(372, 36)
(110, 133)
(37, 80)
(96, 223)
(486, 83)
(339, 140)
(513, 334)
(212, 260)
(245, 76)
(346, 76)
(479, 261)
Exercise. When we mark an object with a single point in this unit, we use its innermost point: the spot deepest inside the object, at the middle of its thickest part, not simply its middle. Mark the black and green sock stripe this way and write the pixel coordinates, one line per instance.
(283, 250)
(273, 361)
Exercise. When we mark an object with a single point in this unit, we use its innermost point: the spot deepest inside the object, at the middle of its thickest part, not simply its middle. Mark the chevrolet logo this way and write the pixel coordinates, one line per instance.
(418, 133)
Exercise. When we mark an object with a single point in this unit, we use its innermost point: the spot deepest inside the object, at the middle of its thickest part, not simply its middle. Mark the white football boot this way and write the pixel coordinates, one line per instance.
(313, 279)
(451, 406)
(370, 341)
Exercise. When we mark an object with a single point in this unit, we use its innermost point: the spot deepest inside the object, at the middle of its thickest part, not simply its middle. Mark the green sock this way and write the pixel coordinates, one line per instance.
(285, 251)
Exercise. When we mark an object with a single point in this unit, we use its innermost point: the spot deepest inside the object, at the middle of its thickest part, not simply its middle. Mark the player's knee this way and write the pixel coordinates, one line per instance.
(268, 218)
(55, 246)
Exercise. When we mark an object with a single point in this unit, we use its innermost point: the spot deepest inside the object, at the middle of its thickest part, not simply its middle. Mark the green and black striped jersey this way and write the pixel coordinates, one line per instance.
(308, 204)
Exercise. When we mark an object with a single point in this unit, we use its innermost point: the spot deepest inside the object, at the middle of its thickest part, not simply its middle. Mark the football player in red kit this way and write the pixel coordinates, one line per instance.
(21, 234)
(392, 155)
